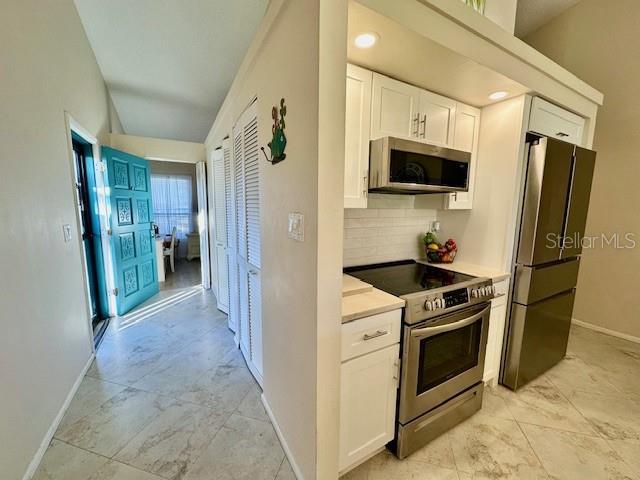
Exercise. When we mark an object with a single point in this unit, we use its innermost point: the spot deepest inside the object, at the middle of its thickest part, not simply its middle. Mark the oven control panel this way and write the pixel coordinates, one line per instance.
(434, 304)
(456, 297)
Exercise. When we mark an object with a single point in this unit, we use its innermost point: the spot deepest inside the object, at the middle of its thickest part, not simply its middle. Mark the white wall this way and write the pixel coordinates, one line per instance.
(485, 233)
(502, 12)
(47, 68)
(159, 148)
(291, 56)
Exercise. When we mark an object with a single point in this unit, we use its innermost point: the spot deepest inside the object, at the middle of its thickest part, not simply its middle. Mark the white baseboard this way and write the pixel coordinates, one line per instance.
(37, 458)
(283, 442)
(606, 331)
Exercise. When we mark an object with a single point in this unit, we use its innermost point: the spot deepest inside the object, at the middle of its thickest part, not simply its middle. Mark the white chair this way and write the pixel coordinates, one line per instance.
(170, 250)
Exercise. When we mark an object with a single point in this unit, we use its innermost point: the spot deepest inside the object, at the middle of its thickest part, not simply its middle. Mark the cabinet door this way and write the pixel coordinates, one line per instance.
(394, 109)
(357, 133)
(553, 121)
(465, 137)
(368, 404)
(493, 356)
(437, 119)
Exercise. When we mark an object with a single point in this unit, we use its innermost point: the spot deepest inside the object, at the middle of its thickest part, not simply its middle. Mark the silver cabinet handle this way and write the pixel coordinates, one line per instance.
(379, 333)
(424, 126)
(431, 331)
(417, 123)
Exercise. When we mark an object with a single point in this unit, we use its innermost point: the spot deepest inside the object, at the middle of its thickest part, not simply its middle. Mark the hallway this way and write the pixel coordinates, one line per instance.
(169, 397)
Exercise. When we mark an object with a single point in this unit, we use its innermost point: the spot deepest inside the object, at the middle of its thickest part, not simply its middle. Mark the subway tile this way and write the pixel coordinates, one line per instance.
(360, 212)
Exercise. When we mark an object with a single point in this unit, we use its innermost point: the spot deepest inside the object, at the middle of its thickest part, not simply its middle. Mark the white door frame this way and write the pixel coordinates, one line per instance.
(71, 125)
(203, 224)
(203, 266)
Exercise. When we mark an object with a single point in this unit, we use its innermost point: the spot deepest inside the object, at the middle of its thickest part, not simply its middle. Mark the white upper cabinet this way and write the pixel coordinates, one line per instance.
(394, 109)
(465, 137)
(553, 121)
(357, 133)
(437, 119)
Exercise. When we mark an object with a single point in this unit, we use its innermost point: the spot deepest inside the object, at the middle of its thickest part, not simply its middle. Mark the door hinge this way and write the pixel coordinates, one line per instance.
(109, 232)
(396, 375)
(115, 291)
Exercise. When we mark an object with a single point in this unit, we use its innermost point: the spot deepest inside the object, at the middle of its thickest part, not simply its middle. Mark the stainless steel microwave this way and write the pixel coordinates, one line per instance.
(402, 166)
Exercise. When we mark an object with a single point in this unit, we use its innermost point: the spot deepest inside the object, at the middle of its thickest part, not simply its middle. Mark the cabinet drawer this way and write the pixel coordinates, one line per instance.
(553, 121)
(370, 333)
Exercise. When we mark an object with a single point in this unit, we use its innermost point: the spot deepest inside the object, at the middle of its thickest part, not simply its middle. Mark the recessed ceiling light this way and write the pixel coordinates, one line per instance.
(498, 95)
(366, 40)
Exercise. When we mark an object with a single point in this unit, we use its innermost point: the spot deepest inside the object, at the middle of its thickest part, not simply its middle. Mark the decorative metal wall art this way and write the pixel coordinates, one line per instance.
(279, 140)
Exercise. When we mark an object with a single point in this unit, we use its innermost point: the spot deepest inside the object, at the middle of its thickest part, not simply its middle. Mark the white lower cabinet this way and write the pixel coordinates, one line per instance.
(497, 322)
(369, 386)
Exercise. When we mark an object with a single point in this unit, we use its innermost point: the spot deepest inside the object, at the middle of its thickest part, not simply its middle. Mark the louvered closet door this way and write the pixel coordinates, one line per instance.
(241, 241)
(252, 206)
(232, 271)
(219, 196)
(247, 198)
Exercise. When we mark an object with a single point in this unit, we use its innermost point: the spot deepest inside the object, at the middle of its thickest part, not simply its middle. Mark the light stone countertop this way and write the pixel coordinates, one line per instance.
(368, 303)
(353, 286)
(470, 269)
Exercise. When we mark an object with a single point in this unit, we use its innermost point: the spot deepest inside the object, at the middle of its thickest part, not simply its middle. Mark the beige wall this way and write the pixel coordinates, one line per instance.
(48, 68)
(597, 41)
(159, 148)
(284, 60)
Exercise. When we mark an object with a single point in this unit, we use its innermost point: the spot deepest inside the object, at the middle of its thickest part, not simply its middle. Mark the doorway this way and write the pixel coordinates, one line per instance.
(87, 203)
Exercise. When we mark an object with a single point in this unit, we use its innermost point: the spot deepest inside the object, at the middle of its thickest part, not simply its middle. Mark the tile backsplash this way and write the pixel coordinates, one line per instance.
(375, 235)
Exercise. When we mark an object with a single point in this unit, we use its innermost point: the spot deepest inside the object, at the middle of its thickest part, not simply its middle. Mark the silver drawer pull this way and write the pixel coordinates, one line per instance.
(379, 333)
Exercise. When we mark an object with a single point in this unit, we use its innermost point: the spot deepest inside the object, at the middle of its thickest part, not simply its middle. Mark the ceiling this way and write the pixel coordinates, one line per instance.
(532, 14)
(168, 64)
(408, 56)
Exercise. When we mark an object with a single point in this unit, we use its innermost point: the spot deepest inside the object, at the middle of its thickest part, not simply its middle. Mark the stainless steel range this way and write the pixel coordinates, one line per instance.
(444, 338)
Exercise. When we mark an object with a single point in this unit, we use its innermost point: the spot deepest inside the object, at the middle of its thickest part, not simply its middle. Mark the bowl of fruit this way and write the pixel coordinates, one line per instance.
(437, 252)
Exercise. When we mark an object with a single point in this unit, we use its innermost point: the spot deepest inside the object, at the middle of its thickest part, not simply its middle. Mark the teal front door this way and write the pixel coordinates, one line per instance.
(132, 240)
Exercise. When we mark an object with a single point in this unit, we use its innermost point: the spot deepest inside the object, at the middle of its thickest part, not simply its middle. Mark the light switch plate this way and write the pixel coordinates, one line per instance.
(66, 232)
(296, 226)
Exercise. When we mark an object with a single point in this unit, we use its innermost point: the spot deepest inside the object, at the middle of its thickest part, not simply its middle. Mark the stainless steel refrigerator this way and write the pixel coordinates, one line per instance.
(555, 201)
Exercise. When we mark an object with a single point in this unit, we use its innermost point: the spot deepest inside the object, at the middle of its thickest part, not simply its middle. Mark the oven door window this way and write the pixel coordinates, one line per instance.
(447, 355)
(421, 169)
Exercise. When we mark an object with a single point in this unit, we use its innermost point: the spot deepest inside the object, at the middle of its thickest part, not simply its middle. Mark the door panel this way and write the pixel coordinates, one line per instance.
(132, 241)
(545, 332)
(357, 133)
(437, 117)
(583, 166)
(221, 230)
(395, 108)
(367, 405)
(545, 200)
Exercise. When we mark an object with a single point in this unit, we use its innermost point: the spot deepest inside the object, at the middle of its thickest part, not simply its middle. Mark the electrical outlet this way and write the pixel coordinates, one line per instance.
(435, 226)
(66, 232)
(296, 226)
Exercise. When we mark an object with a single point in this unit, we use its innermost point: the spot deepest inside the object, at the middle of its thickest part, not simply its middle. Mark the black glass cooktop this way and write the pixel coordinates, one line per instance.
(407, 276)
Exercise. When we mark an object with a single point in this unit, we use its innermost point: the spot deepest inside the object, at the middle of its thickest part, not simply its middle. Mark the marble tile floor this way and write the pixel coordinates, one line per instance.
(579, 421)
(171, 398)
(167, 398)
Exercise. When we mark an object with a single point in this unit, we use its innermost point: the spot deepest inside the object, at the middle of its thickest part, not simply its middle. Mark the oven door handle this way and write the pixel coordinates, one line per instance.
(431, 331)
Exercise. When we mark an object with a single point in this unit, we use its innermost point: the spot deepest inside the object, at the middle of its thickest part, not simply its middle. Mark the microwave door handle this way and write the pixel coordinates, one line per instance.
(431, 331)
